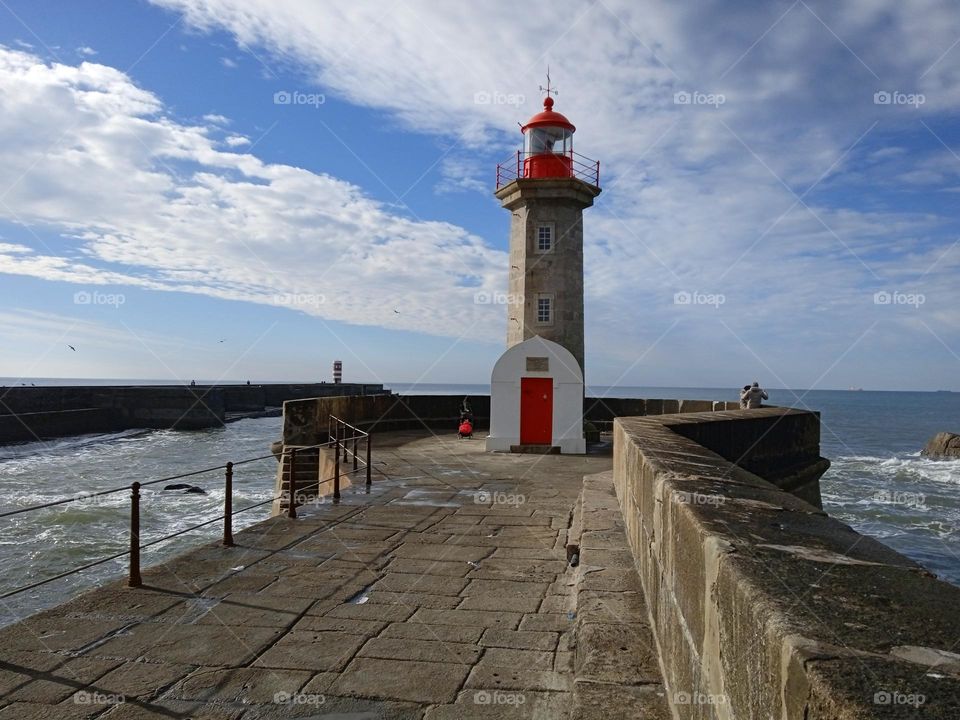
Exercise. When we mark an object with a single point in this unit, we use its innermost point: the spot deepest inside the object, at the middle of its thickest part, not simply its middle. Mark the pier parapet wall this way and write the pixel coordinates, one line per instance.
(761, 605)
(32, 413)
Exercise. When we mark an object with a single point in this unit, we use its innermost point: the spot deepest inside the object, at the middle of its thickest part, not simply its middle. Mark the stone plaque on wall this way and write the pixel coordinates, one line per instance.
(538, 364)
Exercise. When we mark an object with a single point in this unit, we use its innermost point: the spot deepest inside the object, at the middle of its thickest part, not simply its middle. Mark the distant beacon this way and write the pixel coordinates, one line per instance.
(337, 371)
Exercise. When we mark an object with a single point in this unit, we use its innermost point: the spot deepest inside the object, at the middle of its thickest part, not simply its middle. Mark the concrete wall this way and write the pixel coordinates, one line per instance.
(30, 413)
(761, 605)
(305, 421)
(29, 426)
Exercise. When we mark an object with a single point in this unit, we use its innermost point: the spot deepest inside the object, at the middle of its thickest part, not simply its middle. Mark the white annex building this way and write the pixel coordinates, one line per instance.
(536, 398)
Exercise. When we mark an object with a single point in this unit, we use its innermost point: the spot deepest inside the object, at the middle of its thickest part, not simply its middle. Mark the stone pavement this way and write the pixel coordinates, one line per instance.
(443, 593)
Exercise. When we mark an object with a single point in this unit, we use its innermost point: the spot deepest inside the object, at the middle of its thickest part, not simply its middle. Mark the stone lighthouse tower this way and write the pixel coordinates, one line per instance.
(546, 193)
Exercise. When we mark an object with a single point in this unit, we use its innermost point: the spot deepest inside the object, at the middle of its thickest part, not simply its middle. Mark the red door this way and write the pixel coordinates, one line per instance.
(536, 411)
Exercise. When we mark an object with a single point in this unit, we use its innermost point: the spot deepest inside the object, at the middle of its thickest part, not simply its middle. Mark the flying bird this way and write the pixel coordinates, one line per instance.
(220, 341)
(72, 347)
(396, 311)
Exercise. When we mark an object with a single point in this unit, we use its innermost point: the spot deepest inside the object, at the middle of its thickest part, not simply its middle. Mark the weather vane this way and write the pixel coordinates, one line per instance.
(548, 90)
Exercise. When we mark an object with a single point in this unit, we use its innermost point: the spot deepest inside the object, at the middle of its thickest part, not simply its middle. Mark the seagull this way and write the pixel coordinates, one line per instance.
(220, 341)
(72, 347)
(396, 311)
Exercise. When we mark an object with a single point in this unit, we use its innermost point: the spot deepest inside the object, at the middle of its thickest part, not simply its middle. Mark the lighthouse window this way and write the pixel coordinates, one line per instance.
(545, 237)
(544, 310)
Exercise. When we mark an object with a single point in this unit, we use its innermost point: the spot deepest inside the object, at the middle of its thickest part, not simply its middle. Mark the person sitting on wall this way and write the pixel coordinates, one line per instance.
(466, 412)
(743, 397)
(755, 396)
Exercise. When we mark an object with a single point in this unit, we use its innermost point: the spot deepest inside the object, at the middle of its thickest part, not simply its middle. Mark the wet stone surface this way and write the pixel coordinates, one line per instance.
(427, 597)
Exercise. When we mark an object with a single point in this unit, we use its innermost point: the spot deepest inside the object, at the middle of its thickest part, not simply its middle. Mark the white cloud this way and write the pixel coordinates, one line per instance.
(237, 141)
(85, 151)
(86, 51)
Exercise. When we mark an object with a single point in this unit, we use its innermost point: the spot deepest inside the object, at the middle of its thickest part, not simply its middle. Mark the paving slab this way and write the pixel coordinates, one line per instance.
(429, 567)
(450, 553)
(427, 649)
(211, 645)
(519, 639)
(488, 675)
(505, 588)
(142, 680)
(372, 611)
(439, 633)
(309, 650)
(513, 658)
(414, 599)
(58, 685)
(422, 682)
(515, 603)
(494, 704)
(476, 618)
(328, 623)
(428, 584)
(548, 622)
(242, 685)
(599, 701)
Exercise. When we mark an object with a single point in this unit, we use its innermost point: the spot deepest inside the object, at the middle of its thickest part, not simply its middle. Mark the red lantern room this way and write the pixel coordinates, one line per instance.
(548, 144)
(548, 150)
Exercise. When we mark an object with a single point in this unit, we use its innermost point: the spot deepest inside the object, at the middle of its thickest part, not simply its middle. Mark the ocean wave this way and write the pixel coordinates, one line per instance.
(911, 469)
(46, 448)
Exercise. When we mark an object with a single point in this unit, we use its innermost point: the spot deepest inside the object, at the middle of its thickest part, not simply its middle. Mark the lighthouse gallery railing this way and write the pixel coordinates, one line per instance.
(581, 167)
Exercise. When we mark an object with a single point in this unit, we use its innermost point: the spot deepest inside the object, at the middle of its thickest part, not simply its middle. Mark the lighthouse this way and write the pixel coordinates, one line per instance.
(546, 190)
(537, 384)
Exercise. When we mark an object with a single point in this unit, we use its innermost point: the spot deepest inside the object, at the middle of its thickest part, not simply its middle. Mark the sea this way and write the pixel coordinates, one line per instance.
(878, 483)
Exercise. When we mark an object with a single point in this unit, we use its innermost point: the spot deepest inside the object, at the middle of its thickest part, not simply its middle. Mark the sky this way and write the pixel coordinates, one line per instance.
(250, 189)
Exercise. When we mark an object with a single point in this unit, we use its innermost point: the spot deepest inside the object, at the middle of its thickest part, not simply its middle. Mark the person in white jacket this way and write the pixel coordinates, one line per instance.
(752, 396)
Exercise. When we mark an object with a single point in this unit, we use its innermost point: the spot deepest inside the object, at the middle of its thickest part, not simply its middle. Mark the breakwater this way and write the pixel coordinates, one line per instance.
(761, 605)
(37, 413)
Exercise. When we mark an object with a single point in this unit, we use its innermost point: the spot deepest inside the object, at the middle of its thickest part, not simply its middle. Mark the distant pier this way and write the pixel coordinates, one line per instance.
(39, 413)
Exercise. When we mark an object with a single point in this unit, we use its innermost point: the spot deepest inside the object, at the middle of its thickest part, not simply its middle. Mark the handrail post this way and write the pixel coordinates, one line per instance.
(292, 509)
(356, 439)
(368, 459)
(336, 463)
(344, 443)
(228, 506)
(133, 578)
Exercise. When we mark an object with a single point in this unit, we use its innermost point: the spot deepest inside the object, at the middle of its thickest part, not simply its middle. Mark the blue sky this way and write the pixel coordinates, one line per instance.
(155, 200)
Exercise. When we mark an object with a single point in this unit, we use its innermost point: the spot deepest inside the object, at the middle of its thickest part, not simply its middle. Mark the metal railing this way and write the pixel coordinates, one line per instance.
(580, 167)
(338, 440)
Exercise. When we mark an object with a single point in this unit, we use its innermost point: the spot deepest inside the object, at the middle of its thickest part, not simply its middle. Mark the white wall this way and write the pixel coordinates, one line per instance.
(567, 395)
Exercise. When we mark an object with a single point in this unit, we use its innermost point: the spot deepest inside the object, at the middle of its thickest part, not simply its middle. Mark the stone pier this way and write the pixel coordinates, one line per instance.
(671, 580)
(444, 593)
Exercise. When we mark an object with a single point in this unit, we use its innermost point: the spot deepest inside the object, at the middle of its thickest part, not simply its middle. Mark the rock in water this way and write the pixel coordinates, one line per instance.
(943, 446)
(186, 488)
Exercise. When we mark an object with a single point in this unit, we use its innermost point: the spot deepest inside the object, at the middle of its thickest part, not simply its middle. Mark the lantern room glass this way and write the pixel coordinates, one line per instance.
(542, 140)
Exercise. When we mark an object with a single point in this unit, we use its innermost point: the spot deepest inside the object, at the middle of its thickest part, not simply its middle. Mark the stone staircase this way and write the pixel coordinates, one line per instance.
(616, 665)
(306, 473)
